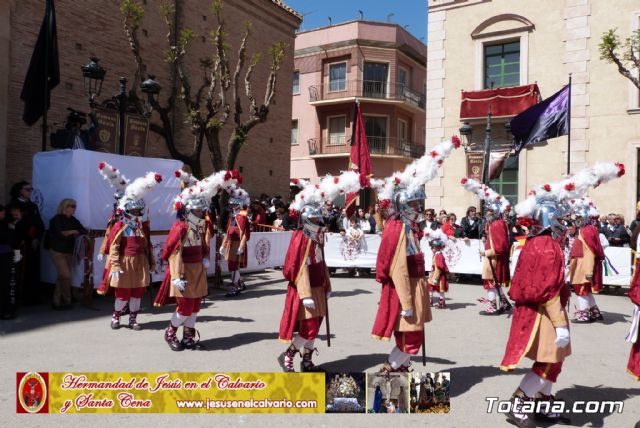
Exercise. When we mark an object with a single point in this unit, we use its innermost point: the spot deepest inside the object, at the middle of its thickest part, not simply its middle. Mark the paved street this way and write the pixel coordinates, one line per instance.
(241, 335)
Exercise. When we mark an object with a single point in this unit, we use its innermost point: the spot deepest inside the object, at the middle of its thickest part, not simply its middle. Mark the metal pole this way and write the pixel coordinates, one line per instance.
(487, 149)
(47, 43)
(122, 101)
(569, 131)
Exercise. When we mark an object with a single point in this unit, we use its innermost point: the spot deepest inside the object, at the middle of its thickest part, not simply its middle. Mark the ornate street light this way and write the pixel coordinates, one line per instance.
(466, 130)
(93, 77)
(151, 87)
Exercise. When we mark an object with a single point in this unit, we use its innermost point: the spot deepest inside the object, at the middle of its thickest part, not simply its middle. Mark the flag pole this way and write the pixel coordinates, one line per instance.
(569, 131)
(47, 19)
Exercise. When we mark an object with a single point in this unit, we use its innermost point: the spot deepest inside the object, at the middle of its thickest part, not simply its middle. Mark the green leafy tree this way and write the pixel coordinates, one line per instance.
(626, 56)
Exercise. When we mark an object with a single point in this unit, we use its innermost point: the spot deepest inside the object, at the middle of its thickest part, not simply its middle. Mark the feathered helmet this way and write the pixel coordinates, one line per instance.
(135, 192)
(548, 203)
(185, 178)
(198, 194)
(307, 207)
(396, 191)
(492, 199)
(114, 177)
(584, 209)
(436, 238)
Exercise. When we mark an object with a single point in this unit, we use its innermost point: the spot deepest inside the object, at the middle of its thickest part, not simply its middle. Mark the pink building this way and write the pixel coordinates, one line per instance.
(379, 64)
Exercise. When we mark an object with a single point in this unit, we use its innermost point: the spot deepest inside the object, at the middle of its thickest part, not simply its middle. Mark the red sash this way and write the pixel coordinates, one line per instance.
(132, 245)
(193, 254)
(415, 265)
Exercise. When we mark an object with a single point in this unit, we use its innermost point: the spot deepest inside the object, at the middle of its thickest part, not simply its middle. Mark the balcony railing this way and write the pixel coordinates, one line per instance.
(377, 146)
(366, 89)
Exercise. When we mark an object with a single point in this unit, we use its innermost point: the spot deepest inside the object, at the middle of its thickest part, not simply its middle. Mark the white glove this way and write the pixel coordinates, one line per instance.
(240, 251)
(205, 263)
(562, 337)
(180, 284)
(309, 303)
(221, 251)
(17, 256)
(115, 274)
(407, 313)
(328, 295)
(100, 257)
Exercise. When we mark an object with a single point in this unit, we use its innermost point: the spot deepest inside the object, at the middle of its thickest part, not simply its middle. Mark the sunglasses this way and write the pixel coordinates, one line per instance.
(28, 189)
(71, 206)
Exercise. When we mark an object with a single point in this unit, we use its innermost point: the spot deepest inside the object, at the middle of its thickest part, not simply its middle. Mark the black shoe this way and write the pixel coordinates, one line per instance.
(57, 307)
(243, 286)
(233, 293)
(66, 307)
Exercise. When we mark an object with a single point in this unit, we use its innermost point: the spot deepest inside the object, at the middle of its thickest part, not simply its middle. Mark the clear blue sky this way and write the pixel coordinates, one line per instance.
(406, 12)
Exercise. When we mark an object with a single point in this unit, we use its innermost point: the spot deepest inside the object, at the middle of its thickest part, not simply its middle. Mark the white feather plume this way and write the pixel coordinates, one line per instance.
(575, 186)
(139, 188)
(486, 193)
(113, 176)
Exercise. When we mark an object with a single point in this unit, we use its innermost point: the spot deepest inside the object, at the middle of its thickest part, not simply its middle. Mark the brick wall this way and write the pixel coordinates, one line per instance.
(94, 27)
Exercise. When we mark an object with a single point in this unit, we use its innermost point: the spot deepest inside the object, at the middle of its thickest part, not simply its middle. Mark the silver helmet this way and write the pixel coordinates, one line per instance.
(402, 204)
(312, 221)
(134, 204)
(196, 203)
(550, 214)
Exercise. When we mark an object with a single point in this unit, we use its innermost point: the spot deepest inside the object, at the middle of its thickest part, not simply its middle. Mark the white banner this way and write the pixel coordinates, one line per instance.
(74, 174)
(265, 250)
(462, 256)
(340, 251)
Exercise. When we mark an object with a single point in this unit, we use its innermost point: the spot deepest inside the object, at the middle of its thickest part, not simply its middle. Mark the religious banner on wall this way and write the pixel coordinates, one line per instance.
(136, 131)
(475, 165)
(106, 136)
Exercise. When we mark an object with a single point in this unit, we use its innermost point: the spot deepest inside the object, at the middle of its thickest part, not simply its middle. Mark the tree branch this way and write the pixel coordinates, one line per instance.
(236, 75)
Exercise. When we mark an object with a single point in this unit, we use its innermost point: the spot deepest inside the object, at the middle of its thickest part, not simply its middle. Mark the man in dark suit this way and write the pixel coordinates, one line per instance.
(470, 224)
(615, 232)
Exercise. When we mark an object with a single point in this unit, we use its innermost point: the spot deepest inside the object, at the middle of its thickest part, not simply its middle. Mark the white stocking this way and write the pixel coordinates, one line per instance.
(583, 303)
(591, 299)
(531, 384)
(397, 358)
(491, 295)
(119, 305)
(546, 389)
(191, 320)
(299, 342)
(177, 320)
(134, 304)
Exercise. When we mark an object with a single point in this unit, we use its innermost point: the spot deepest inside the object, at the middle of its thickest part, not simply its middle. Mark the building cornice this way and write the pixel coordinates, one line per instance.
(355, 43)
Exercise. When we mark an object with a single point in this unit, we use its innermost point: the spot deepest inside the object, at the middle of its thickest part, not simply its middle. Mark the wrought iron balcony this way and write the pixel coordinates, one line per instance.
(340, 89)
(384, 146)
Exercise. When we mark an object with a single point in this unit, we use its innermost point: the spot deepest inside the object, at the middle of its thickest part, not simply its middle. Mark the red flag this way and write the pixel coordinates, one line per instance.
(360, 157)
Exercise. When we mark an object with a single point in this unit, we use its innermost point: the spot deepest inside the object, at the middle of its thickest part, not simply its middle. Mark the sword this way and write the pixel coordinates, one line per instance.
(424, 351)
(326, 301)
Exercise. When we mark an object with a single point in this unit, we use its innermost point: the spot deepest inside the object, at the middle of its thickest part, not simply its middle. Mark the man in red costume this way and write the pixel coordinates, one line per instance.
(495, 263)
(633, 365)
(585, 269)
(403, 308)
(438, 280)
(186, 251)
(497, 246)
(308, 291)
(234, 244)
(130, 260)
(540, 325)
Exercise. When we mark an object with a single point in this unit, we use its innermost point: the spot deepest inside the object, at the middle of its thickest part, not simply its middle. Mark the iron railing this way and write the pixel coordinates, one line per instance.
(366, 89)
(377, 145)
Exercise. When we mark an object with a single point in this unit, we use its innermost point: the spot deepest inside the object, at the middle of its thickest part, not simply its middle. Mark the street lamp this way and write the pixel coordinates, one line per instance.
(151, 87)
(466, 130)
(93, 77)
